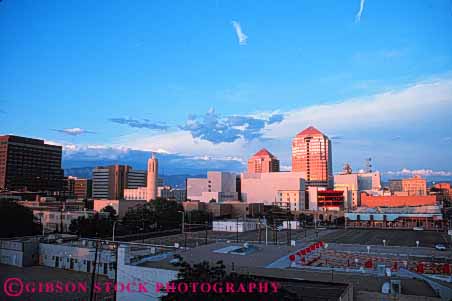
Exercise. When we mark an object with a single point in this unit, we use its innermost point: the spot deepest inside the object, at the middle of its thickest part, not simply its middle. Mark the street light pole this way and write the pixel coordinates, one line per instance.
(114, 228)
(183, 220)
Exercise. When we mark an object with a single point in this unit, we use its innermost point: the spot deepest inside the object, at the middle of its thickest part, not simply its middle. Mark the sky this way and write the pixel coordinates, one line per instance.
(212, 82)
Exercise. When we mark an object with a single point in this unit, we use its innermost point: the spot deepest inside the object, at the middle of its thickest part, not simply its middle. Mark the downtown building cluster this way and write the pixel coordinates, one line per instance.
(30, 172)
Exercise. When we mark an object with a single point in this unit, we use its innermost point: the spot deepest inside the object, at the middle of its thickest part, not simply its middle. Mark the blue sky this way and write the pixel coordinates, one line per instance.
(218, 80)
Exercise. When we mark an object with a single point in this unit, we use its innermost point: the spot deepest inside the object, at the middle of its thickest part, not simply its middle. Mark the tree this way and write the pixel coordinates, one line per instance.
(198, 216)
(93, 226)
(110, 210)
(160, 213)
(204, 273)
(167, 214)
(17, 220)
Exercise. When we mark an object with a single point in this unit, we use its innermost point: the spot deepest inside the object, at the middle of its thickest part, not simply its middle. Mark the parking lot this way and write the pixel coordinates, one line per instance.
(191, 239)
(405, 238)
(392, 237)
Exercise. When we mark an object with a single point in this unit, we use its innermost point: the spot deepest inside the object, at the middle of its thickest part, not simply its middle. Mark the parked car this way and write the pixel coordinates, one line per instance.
(418, 229)
(440, 247)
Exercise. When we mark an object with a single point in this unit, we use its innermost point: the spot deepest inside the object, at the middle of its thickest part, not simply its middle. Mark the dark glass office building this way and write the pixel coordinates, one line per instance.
(28, 164)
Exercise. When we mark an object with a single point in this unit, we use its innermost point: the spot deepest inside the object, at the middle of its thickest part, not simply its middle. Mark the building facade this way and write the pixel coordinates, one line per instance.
(109, 182)
(268, 188)
(412, 186)
(397, 200)
(121, 206)
(355, 183)
(59, 221)
(28, 164)
(219, 186)
(320, 198)
(425, 217)
(292, 200)
(311, 154)
(140, 193)
(263, 161)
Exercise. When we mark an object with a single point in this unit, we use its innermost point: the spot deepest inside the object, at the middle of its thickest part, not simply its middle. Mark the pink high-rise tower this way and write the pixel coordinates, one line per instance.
(153, 171)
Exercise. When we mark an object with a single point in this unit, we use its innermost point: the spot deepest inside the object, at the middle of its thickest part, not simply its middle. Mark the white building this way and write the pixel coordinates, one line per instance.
(139, 193)
(293, 225)
(167, 192)
(220, 186)
(354, 183)
(121, 206)
(232, 225)
(20, 252)
(294, 200)
(53, 220)
(79, 255)
(273, 188)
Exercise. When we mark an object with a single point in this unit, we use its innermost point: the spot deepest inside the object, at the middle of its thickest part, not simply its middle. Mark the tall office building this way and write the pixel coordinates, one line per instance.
(153, 171)
(29, 164)
(263, 161)
(109, 182)
(311, 154)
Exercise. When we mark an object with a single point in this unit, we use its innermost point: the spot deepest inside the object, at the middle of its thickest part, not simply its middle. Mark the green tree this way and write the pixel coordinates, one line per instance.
(198, 216)
(167, 214)
(142, 217)
(110, 210)
(158, 214)
(17, 220)
(204, 272)
(93, 226)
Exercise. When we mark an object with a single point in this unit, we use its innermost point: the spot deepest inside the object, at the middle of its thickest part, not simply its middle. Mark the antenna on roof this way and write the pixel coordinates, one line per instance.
(368, 165)
(347, 168)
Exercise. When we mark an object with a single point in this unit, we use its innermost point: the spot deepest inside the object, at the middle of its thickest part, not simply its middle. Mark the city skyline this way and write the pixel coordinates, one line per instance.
(230, 80)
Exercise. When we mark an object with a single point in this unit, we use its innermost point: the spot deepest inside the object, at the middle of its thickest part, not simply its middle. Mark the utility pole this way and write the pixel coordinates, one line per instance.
(237, 229)
(207, 228)
(93, 275)
(259, 229)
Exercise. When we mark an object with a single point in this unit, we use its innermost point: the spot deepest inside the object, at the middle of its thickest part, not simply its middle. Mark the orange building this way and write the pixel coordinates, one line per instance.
(311, 153)
(263, 161)
(414, 186)
(396, 200)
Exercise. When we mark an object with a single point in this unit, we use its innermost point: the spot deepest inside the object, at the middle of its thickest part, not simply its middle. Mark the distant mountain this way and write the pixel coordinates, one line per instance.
(80, 172)
(82, 161)
(175, 181)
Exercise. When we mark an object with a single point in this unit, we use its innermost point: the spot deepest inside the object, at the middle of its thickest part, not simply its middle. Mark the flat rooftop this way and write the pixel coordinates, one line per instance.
(262, 256)
(256, 264)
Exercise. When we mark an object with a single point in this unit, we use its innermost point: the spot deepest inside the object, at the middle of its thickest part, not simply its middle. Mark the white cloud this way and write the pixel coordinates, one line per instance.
(74, 131)
(393, 108)
(420, 172)
(241, 36)
(360, 12)
(408, 107)
(182, 142)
